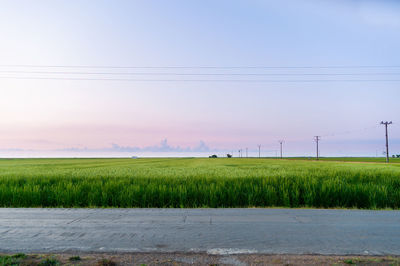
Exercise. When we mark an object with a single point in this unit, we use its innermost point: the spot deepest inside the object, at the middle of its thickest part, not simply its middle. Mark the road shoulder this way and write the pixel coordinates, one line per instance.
(179, 258)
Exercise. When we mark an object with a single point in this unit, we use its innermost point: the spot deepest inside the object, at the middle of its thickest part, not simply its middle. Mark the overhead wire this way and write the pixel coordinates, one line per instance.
(195, 74)
(201, 67)
(74, 72)
(350, 131)
(205, 80)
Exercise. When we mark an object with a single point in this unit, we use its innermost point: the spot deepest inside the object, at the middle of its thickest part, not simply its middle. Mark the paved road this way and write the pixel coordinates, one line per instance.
(215, 231)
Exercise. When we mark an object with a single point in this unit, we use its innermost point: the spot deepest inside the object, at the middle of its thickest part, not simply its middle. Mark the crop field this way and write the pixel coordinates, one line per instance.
(351, 159)
(198, 182)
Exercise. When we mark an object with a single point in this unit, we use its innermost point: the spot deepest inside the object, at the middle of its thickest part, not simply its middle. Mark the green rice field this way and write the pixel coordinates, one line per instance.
(200, 182)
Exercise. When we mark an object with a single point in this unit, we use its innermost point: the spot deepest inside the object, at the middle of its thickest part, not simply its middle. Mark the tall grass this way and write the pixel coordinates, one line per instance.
(193, 183)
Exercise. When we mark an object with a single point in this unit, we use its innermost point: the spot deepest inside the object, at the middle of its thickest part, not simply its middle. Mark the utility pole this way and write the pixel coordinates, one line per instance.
(387, 138)
(247, 155)
(281, 143)
(259, 150)
(317, 139)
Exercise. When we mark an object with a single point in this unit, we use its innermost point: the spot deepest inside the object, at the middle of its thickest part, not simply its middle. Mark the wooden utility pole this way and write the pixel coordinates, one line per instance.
(247, 155)
(259, 150)
(317, 139)
(387, 138)
(281, 143)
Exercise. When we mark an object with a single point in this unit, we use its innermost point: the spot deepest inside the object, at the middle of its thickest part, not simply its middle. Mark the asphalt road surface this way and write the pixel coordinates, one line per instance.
(215, 231)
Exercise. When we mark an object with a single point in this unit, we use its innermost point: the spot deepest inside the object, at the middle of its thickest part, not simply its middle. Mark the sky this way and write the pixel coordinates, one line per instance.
(199, 76)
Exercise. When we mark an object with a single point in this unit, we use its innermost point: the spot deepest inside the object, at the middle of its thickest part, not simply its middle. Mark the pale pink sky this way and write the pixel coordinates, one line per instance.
(56, 114)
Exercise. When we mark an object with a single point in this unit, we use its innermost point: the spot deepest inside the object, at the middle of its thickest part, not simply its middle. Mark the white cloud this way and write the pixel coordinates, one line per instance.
(162, 147)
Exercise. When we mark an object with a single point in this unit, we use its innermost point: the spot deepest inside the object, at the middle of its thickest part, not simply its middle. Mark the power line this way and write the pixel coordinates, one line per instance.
(203, 67)
(349, 131)
(194, 74)
(205, 80)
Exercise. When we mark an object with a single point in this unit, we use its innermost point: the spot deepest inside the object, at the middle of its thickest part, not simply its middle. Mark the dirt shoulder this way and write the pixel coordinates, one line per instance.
(190, 259)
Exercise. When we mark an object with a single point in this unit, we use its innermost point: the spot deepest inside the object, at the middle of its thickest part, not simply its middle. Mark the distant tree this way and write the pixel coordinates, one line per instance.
(398, 155)
(229, 155)
(213, 156)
